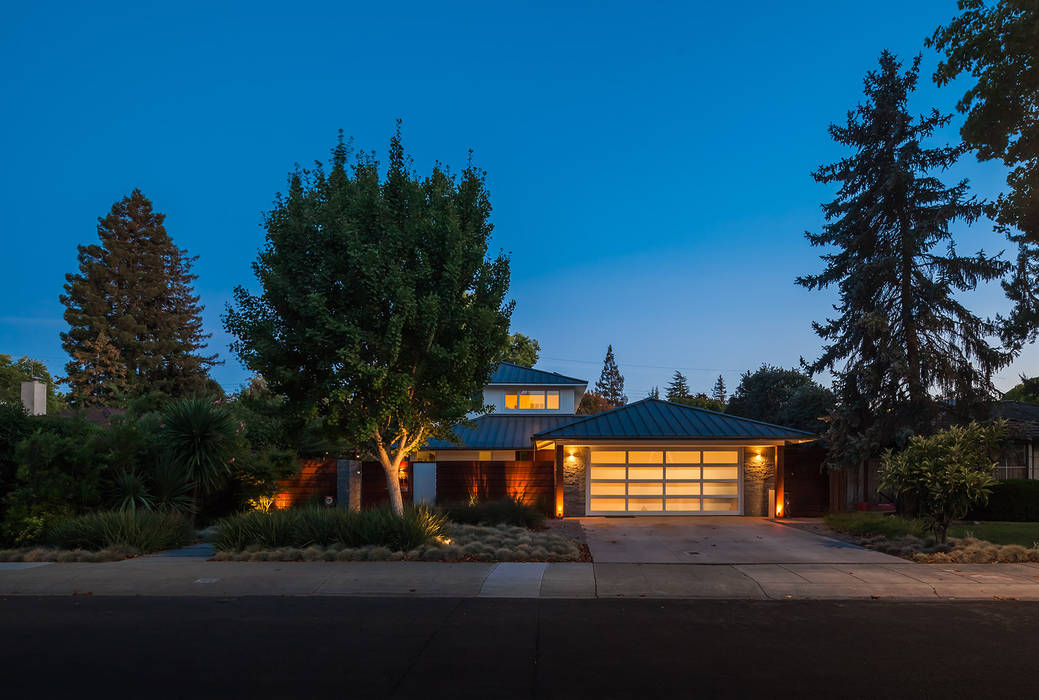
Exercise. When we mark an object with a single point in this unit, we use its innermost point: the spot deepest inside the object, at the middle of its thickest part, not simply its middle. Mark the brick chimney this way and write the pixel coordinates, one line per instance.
(34, 398)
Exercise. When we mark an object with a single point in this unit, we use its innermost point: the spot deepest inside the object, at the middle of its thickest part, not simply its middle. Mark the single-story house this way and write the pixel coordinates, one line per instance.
(650, 457)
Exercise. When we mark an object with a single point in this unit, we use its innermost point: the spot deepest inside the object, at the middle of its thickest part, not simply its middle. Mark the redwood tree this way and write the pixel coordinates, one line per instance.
(379, 308)
(134, 288)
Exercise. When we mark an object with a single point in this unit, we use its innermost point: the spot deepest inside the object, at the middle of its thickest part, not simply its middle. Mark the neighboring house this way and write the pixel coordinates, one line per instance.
(650, 457)
(1019, 458)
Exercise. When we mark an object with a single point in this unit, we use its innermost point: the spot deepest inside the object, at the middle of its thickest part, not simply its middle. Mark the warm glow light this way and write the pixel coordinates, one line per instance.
(779, 510)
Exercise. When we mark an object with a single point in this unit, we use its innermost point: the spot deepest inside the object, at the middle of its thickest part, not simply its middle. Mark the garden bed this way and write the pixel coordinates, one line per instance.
(457, 543)
(53, 554)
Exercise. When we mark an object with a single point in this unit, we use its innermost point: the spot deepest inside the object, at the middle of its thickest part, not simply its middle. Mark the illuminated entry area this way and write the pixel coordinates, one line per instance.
(532, 400)
(679, 481)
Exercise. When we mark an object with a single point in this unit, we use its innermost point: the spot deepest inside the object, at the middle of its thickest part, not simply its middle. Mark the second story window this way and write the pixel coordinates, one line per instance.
(532, 400)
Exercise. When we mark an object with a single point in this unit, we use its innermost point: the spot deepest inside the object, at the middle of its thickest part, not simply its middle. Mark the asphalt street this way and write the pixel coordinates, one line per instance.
(317, 647)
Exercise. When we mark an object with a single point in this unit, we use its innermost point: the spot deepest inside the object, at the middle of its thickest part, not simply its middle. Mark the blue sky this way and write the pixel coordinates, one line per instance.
(648, 162)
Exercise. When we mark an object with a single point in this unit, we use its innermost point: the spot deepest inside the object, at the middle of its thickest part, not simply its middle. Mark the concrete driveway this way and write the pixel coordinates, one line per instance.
(717, 540)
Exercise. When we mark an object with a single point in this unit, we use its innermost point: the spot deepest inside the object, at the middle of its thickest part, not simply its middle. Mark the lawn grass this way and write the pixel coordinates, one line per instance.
(863, 524)
(1024, 534)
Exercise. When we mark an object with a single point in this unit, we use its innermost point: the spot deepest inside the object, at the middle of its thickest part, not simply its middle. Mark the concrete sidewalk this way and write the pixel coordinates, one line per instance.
(172, 576)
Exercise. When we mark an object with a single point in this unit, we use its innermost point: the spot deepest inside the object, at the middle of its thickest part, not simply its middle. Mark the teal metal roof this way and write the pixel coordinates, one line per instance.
(493, 432)
(508, 373)
(655, 418)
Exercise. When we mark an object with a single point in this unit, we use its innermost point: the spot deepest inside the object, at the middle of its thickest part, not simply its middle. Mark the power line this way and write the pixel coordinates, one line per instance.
(629, 364)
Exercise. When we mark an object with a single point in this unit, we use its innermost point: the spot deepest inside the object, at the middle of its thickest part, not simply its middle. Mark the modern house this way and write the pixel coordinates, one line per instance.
(650, 457)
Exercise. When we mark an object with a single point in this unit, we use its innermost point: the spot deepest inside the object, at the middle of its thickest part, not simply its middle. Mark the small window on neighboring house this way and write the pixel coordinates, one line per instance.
(1013, 463)
(532, 400)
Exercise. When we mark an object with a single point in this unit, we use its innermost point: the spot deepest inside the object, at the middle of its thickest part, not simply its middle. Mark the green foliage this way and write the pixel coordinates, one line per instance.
(135, 326)
(143, 531)
(995, 45)
(862, 524)
(303, 527)
(507, 511)
(380, 311)
(593, 402)
(701, 400)
(781, 396)
(25, 369)
(171, 487)
(611, 384)
(1015, 500)
(944, 474)
(200, 438)
(522, 350)
(132, 492)
(902, 331)
(15, 426)
(1027, 391)
(719, 392)
(677, 388)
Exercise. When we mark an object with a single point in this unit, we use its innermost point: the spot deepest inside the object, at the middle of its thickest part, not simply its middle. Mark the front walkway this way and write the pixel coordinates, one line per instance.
(186, 576)
(716, 540)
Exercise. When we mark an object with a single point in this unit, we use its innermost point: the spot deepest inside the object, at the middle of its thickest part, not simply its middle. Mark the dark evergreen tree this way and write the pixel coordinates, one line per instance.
(100, 373)
(677, 388)
(719, 393)
(611, 384)
(902, 333)
(996, 44)
(135, 286)
(654, 393)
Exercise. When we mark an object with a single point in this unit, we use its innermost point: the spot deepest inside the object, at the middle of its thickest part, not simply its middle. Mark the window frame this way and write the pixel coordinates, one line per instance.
(546, 399)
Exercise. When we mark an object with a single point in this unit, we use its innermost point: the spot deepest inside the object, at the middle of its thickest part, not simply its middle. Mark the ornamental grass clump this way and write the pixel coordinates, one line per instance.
(143, 531)
(301, 528)
(503, 511)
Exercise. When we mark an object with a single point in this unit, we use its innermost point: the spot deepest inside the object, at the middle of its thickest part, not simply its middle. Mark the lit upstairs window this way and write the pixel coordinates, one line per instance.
(532, 400)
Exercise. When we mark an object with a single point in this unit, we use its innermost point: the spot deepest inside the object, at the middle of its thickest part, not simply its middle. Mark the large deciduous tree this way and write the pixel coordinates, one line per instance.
(902, 333)
(380, 310)
(522, 350)
(132, 303)
(781, 396)
(997, 44)
(24, 369)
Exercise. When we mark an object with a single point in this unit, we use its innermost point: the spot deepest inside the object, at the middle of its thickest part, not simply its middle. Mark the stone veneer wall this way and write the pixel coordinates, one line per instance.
(574, 478)
(758, 478)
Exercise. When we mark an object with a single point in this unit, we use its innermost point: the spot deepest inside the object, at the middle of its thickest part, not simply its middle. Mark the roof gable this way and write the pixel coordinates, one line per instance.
(655, 418)
(509, 373)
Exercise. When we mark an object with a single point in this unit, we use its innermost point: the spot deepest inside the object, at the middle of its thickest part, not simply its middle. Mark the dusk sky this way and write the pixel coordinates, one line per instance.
(649, 164)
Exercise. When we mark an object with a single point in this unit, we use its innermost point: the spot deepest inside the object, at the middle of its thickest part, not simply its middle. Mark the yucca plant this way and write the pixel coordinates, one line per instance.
(132, 492)
(171, 487)
(199, 439)
(142, 530)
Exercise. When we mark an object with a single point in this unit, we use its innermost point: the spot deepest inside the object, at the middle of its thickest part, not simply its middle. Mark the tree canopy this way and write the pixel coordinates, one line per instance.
(782, 396)
(25, 369)
(902, 332)
(995, 44)
(135, 324)
(379, 308)
(677, 388)
(522, 350)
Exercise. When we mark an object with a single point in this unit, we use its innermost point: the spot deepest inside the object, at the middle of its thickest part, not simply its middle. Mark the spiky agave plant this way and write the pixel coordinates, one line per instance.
(199, 438)
(171, 487)
(132, 492)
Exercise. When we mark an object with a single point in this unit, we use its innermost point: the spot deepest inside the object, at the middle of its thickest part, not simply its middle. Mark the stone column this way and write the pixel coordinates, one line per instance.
(759, 475)
(575, 474)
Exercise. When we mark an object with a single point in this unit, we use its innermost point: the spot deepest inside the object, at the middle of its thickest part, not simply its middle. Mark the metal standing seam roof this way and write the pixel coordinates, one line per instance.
(509, 373)
(497, 432)
(655, 418)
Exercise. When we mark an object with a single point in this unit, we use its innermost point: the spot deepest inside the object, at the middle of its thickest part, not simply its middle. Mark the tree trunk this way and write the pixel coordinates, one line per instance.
(392, 469)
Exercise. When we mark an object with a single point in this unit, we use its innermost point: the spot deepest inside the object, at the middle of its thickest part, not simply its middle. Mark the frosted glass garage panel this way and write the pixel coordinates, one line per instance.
(607, 504)
(721, 472)
(721, 504)
(687, 473)
(645, 457)
(683, 489)
(609, 473)
(683, 457)
(616, 488)
(683, 504)
(721, 457)
(637, 504)
(721, 489)
(649, 489)
(646, 473)
(608, 457)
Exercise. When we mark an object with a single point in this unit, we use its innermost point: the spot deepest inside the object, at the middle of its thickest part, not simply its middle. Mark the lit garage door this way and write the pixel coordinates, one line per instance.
(664, 482)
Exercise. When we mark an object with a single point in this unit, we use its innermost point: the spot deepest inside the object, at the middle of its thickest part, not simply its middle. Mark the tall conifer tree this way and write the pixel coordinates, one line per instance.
(611, 384)
(902, 334)
(677, 388)
(719, 393)
(135, 287)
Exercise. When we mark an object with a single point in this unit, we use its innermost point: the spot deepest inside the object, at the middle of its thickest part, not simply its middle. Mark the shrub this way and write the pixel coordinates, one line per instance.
(145, 531)
(1015, 500)
(944, 474)
(323, 527)
(506, 511)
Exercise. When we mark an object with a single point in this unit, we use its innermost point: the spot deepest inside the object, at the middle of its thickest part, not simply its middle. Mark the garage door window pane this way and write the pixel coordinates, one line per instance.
(646, 473)
(645, 504)
(650, 489)
(723, 504)
(604, 457)
(722, 457)
(721, 472)
(680, 504)
(720, 489)
(683, 489)
(607, 489)
(683, 473)
(607, 504)
(676, 457)
(608, 472)
(645, 457)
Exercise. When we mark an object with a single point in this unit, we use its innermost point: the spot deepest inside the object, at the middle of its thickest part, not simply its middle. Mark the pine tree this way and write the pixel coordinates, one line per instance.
(719, 392)
(611, 384)
(654, 393)
(677, 388)
(902, 334)
(135, 286)
(97, 373)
